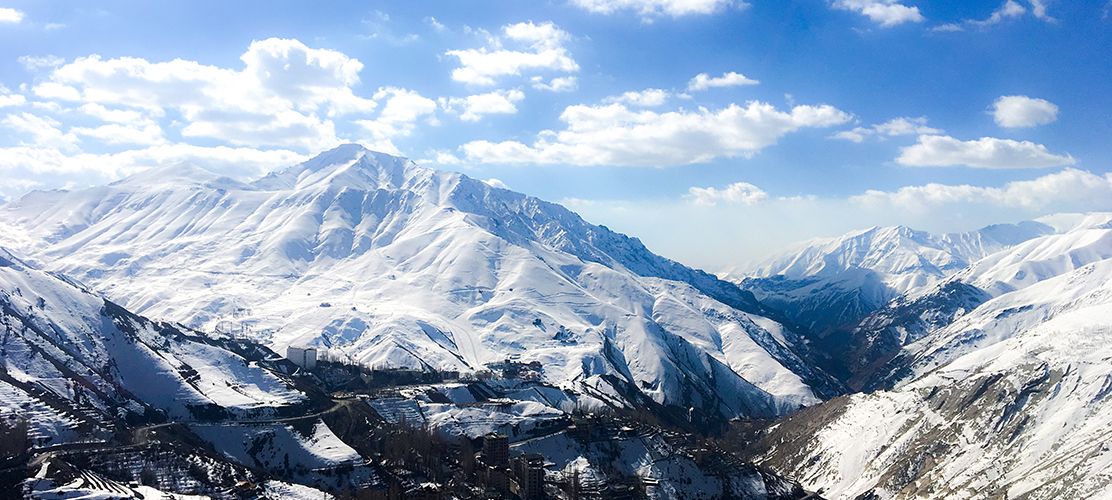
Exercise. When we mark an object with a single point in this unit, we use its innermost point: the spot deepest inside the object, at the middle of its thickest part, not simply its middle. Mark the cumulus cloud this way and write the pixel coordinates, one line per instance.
(93, 119)
(7, 98)
(703, 81)
(40, 131)
(472, 108)
(399, 117)
(539, 48)
(1018, 111)
(644, 98)
(653, 8)
(738, 193)
(613, 134)
(891, 128)
(285, 95)
(1058, 191)
(986, 152)
(81, 169)
(886, 13)
(9, 15)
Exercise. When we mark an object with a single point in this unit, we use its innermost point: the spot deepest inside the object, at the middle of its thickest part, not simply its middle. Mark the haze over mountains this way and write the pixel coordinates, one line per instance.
(986, 354)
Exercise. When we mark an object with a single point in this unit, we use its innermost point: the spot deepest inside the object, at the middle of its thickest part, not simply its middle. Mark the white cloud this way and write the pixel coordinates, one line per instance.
(380, 28)
(44, 132)
(645, 98)
(10, 15)
(436, 24)
(891, 128)
(542, 50)
(738, 193)
(57, 91)
(1016, 111)
(986, 152)
(1010, 9)
(1038, 9)
(703, 81)
(7, 98)
(285, 95)
(495, 183)
(1068, 189)
(473, 108)
(399, 117)
(235, 162)
(144, 133)
(557, 84)
(615, 135)
(115, 115)
(669, 225)
(34, 63)
(652, 8)
(887, 13)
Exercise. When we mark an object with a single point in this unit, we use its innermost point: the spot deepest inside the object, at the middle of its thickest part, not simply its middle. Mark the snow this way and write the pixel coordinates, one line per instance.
(82, 358)
(87, 485)
(1010, 398)
(420, 269)
(278, 489)
(269, 445)
(514, 419)
(904, 258)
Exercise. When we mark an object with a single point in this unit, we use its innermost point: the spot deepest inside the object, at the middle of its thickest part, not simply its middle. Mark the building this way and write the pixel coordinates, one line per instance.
(303, 356)
(496, 450)
(529, 471)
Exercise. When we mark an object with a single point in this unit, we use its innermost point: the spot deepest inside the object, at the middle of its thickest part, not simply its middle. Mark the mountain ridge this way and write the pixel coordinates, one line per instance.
(377, 259)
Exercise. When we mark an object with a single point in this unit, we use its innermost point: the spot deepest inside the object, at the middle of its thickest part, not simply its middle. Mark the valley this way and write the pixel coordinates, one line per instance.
(146, 325)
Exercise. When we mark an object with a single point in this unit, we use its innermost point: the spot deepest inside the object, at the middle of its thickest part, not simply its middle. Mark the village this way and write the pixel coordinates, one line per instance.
(440, 434)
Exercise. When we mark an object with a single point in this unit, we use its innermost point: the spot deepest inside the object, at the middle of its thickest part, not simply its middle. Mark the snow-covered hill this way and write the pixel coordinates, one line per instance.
(73, 363)
(391, 264)
(831, 282)
(1008, 399)
(829, 285)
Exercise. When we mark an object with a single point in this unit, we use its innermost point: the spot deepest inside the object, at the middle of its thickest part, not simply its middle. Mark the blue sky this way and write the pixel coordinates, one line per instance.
(811, 117)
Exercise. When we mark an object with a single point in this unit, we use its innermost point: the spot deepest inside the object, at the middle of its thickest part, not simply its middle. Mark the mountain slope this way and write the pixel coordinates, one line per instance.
(390, 264)
(73, 363)
(830, 285)
(1008, 398)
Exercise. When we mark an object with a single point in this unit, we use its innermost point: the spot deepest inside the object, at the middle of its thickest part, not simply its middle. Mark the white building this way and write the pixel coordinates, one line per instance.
(303, 356)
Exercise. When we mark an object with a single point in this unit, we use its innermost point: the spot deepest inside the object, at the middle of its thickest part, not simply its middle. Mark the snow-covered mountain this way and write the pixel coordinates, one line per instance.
(829, 285)
(1006, 396)
(73, 364)
(391, 264)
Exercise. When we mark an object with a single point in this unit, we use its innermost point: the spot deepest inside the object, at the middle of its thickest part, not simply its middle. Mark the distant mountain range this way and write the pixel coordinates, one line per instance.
(896, 363)
(830, 285)
(999, 386)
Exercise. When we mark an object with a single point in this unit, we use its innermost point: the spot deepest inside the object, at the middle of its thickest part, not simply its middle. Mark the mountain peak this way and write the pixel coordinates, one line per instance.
(349, 164)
